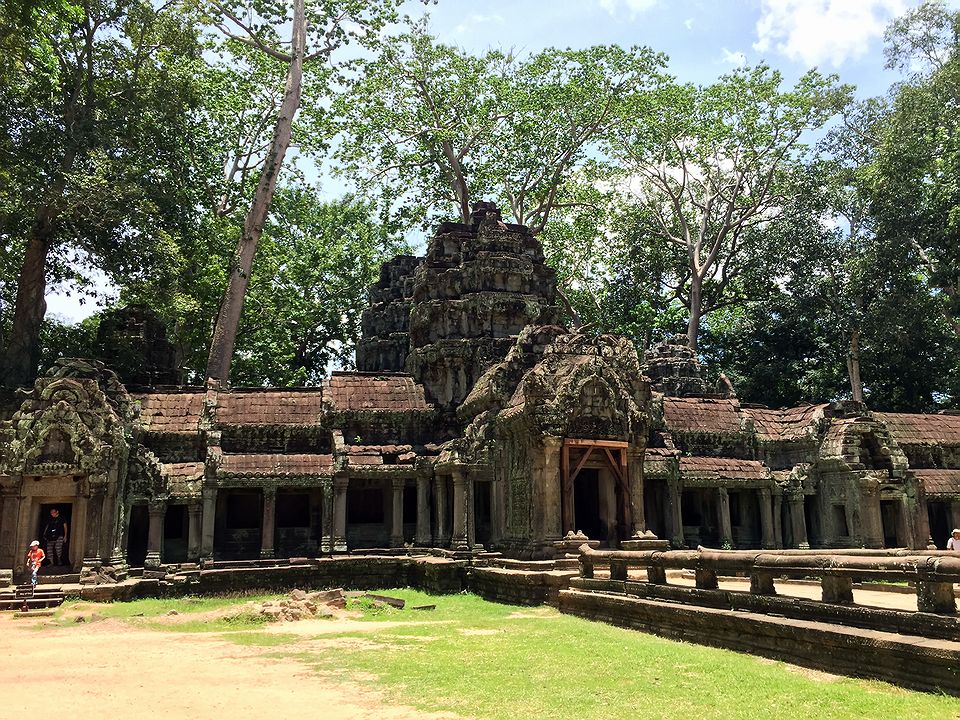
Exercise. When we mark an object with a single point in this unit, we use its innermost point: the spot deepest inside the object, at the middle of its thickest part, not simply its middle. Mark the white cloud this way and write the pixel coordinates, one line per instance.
(688, 23)
(633, 7)
(737, 58)
(477, 19)
(816, 31)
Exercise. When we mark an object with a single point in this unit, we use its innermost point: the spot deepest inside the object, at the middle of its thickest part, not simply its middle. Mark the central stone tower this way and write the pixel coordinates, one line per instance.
(458, 311)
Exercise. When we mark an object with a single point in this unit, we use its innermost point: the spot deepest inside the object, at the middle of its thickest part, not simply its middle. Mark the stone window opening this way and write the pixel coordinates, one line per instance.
(840, 521)
(293, 510)
(243, 511)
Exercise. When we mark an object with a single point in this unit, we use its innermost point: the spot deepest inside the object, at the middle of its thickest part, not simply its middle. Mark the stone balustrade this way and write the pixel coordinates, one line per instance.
(933, 574)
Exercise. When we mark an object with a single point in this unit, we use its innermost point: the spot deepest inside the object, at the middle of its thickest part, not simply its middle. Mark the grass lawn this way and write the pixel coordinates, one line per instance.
(489, 661)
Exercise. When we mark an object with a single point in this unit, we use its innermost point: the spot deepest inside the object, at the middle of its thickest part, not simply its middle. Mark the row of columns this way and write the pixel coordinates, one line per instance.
(454, 529)
(771, 532)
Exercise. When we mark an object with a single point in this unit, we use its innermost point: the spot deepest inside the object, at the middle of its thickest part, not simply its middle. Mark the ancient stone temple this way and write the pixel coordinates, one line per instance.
(475, 422)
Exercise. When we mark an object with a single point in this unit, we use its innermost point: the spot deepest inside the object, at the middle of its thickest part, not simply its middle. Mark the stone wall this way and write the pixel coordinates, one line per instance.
(920, 664)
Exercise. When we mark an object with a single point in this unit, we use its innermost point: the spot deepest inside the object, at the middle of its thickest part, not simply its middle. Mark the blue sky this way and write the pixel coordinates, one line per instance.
(703, 38)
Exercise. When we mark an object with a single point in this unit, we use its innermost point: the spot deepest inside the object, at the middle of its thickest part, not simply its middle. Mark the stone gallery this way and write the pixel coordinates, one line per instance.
(475, 422)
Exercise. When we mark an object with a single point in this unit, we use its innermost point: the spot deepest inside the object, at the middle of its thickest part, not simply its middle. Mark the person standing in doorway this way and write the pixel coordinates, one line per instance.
(35, 558)
(954, 542)
(55, 535)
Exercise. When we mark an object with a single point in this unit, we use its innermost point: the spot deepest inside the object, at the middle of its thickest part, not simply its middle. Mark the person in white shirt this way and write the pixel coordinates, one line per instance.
(954, 542)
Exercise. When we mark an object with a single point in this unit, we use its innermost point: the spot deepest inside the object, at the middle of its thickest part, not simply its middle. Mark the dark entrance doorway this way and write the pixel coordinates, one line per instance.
(65, 511)
(939, 516)
(889, 515)
(600, 504)
(586, 504)
(237, 532)
(137, 535)
(175, 534)
(482, 511)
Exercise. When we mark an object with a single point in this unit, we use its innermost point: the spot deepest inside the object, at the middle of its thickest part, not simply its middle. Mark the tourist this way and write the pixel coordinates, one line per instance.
(35, 558)
(954, 542)
(55, 535)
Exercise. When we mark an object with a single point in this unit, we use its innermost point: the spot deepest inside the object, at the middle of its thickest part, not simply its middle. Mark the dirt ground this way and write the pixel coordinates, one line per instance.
(109, 669)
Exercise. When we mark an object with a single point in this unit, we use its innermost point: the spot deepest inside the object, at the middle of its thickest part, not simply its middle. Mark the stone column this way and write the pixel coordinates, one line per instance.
(268, 527)
(551, 495)
(423, 537)
(194, 531)
(209, 522)
(91, 550)
(470, 517)
(723, 516)
(635, 481)
(156, 511)
(9, 547)
(905, 525)
(674, 516)
(608, 504)
(396, 513)
(326, 516)
(777, 521)
(871, 529)
(443, 520)
(340, 514)
(798, 523)
(766, 519)
(459, 539)
(497, 512)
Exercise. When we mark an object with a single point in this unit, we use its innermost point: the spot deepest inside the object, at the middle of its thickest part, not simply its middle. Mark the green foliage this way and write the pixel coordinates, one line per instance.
(432, 127)
(710, 168)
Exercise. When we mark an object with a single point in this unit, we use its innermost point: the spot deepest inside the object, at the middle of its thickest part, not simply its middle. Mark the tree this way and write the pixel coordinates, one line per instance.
(434, 128)
(95, 125)
(913, 180)
(315, 33)
(710, 164)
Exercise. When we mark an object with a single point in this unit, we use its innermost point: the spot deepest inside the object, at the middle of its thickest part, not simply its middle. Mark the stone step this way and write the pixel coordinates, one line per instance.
(32, 603)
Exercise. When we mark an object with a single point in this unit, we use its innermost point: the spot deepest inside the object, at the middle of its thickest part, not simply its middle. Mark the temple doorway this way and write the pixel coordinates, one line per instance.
(939, 515)
(137, 535)
(586, 503)
(238, 523)
(890, 516)
(595, 495)
(65, 511)
(175, 534)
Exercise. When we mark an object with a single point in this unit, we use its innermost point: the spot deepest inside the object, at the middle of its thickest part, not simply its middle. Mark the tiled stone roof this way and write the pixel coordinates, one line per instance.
(916, 429)
(271, 464)
(183, 478)
(173, 412)
(786, 424)
(722, 468)
(182, 471)
(270, 407)
(355, 391)
(701, 415)
(940, 482)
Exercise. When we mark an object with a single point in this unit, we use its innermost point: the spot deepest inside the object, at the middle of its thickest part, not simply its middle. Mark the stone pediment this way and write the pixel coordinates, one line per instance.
(76, 420)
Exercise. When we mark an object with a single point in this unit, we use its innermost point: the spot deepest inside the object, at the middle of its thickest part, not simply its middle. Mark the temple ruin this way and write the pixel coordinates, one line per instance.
(474, 423)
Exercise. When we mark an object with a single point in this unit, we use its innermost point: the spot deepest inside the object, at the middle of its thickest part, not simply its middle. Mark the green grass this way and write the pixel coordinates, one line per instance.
(493, 662)
(146, 613)
(486, 662)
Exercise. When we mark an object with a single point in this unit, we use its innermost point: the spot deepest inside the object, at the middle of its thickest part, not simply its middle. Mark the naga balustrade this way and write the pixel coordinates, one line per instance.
(933, 573)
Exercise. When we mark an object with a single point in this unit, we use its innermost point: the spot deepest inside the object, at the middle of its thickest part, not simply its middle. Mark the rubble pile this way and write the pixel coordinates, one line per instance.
(301, 605)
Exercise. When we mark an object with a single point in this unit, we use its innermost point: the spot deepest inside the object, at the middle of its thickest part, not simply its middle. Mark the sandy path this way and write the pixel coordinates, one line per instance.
(108, 669)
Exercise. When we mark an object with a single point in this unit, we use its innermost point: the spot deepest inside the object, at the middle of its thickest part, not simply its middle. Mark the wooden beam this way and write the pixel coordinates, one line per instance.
(583, 460)
(576, 442)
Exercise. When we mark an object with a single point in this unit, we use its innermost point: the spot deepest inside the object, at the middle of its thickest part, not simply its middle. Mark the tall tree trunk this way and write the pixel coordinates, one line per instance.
(853, 366)
(228, 318)
(696, 310)
(20, 362)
